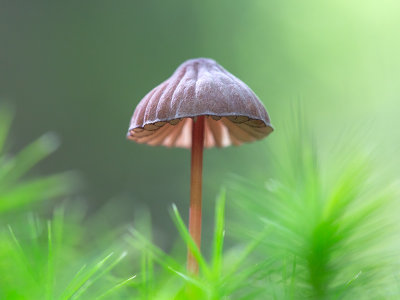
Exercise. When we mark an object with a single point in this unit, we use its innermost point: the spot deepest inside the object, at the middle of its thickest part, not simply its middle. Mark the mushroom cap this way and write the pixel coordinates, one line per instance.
(200, 87)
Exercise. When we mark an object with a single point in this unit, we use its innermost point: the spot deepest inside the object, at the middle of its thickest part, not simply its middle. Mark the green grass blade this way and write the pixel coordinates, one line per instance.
(218, 234)
(50, 263)
(246, 253)
(21, 256)
(72, 284)
(58, 228)
(27, 158)
(36, 190)
(189, 241)
(93, 278)
(190, 279)
(116, 287)
(6, 116)
(147, 273)
(137, 240)
(86, 275)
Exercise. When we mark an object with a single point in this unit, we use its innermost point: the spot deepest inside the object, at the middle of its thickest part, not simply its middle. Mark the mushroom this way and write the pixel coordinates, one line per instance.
(200, 105)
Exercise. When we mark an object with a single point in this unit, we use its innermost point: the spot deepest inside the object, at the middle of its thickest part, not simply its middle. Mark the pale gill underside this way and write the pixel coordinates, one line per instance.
(218, 132)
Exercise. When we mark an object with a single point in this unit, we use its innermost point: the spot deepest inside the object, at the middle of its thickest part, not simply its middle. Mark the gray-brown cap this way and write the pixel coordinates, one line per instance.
(200, 87)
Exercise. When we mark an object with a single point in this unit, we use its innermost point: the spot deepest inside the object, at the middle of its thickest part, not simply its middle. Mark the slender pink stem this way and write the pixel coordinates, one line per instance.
(195, 190)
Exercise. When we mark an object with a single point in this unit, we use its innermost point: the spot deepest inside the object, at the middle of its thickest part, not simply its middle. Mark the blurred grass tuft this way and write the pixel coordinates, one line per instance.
(41, 258)
(331, 237)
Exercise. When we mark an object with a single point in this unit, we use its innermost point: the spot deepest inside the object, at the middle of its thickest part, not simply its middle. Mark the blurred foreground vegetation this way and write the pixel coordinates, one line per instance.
(313, 229)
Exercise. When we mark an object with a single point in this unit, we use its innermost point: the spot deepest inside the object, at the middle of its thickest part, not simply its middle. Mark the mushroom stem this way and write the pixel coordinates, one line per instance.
(195, 190)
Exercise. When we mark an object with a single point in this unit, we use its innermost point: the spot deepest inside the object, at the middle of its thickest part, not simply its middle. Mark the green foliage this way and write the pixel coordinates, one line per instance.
(333, 232)
(315, 229)
(45, 263)
(223, 276)
(40, 258)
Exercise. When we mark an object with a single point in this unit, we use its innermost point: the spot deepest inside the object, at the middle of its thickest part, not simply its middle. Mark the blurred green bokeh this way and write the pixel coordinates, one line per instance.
(80, 67)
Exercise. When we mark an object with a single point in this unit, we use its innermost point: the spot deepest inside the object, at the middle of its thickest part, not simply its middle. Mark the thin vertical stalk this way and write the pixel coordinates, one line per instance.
(195, 189)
